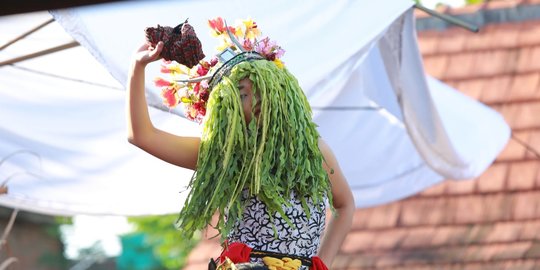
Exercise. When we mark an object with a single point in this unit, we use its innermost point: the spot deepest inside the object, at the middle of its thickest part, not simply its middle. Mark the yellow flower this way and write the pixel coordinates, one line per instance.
(214, 33)
(222, 45)
(278, 63)
(252, 29)
(183, 70)
(247, 29)
(239, 31)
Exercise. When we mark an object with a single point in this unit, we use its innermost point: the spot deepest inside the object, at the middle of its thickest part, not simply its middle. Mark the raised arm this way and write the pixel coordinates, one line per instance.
(343, 202)
(181, 151)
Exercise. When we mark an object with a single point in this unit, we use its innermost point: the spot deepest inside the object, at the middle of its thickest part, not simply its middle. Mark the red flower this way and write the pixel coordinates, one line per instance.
(202, 111)
(201, 70)
(237, 252)
(317, 264)
(200, 108)
(271, 57)
(197, 87)
(203, 95)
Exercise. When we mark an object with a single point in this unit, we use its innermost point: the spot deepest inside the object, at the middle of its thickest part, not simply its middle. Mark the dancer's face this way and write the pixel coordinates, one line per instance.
(246, 97)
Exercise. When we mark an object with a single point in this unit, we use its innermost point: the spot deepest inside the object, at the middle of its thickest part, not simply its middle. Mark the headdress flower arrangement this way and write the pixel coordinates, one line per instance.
(190, 86)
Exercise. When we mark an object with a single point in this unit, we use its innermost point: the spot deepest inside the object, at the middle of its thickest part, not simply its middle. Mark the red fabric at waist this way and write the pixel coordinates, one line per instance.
(240, 253)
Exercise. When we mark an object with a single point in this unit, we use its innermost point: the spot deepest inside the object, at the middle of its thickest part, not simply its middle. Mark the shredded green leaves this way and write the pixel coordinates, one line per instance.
(272, 158)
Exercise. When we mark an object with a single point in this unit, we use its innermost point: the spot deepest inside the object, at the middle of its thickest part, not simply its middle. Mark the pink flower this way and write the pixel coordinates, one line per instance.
(269, 49)
(262, 46)
(160, 82)
(213, 61)
(204, 84)
(279, 52)
(248, 46)
(170, 99)
(165, 69)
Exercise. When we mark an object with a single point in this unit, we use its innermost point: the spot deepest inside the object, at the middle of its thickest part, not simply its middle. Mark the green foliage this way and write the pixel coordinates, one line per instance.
(63, 220)
(271, 157)
(473, 2)
(467, 2)
(160, 234)
(52, 258)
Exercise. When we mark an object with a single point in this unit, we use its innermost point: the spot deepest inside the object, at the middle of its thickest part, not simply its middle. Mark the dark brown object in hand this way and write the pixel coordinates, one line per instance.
(180, 43)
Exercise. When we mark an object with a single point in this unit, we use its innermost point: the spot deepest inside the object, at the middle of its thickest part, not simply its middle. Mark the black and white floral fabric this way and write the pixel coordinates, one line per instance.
(256, 230)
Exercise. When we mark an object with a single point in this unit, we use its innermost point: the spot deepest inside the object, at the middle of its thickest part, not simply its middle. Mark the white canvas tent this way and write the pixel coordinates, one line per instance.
(394, 130)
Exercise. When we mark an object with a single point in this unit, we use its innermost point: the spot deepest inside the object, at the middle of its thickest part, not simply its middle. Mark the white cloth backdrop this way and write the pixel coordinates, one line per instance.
(394, 131)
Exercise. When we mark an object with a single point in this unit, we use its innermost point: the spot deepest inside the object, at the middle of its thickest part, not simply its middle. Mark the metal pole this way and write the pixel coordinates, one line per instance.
(27, 33)
(9, 261)
(40, 53)
(450, 19)
(7, 230)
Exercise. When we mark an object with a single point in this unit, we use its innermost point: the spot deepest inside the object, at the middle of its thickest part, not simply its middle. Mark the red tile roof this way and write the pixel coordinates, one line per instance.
(492, 222)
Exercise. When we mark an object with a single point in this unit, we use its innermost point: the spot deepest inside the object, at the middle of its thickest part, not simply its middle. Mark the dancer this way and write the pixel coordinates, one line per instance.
(260, 163)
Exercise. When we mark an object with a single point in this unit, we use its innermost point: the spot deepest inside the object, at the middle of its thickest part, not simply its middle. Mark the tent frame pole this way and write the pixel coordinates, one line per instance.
(448, 18)
(40, 53)
(27, 33)
(3, 240)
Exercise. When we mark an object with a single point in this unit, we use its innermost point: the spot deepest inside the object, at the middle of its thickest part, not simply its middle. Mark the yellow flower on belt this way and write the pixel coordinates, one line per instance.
(282, 264)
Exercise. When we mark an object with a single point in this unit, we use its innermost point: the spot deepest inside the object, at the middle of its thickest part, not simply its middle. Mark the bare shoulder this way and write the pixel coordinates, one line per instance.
(323, 146)
(341, 192)
(326, 151)
(329, 162)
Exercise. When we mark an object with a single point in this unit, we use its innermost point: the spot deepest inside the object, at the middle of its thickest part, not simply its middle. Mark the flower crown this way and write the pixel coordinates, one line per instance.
(192, 86)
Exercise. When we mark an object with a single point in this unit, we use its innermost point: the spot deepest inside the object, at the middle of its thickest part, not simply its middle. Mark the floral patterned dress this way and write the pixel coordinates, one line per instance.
(255, 228)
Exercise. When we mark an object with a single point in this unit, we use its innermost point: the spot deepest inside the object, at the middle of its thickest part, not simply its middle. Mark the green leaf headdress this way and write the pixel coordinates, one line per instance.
(272, 156)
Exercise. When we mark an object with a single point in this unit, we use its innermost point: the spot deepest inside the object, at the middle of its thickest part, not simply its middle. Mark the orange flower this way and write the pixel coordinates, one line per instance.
(217, 24)
(218, 27)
